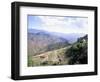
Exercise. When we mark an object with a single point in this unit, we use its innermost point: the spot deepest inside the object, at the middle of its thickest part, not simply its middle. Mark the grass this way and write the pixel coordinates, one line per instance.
(54, 57)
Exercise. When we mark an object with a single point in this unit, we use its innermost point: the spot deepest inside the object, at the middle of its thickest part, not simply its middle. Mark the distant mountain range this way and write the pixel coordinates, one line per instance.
(70, 37)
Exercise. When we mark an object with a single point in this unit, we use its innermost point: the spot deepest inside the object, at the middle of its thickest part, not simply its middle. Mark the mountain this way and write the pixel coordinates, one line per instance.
(84, 38)
(73, 46)
(75, 53)
(70, 37)
(78, 51)
(41, 41)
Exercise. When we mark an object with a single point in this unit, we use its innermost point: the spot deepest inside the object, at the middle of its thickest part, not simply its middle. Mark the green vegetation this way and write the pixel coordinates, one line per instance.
(55, 57)
(78, 52)
(60, 54)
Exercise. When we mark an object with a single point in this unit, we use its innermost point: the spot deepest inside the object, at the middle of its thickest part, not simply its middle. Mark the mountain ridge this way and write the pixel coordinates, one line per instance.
(70, 37)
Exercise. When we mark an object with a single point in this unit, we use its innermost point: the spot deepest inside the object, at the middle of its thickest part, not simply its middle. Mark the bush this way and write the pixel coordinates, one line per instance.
(78, 53)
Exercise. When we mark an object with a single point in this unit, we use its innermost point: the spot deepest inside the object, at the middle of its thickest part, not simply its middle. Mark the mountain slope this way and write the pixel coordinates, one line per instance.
(40, 42)
(70, 37)
(72, 54)
(54, 57)
(78, 53)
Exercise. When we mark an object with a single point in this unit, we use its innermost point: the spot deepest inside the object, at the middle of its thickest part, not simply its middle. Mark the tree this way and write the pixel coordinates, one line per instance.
(78, 53)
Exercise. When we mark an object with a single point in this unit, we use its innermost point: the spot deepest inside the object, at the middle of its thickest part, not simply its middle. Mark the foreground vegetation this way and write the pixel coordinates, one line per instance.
(78, 52)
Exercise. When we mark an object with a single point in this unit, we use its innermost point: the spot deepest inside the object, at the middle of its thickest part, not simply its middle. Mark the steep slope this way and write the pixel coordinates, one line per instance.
(41, 41)
(78, 51)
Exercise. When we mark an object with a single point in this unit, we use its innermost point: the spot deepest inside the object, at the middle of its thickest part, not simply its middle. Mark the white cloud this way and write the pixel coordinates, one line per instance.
(64, 24)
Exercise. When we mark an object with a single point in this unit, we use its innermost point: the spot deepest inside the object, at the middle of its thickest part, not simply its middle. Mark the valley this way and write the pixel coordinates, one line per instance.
(50, 49)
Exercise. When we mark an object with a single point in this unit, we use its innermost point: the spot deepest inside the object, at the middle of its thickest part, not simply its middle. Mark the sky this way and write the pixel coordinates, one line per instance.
(60, 24)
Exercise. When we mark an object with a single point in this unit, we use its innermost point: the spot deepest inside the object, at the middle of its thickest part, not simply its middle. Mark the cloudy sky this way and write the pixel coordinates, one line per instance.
(59, 24)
